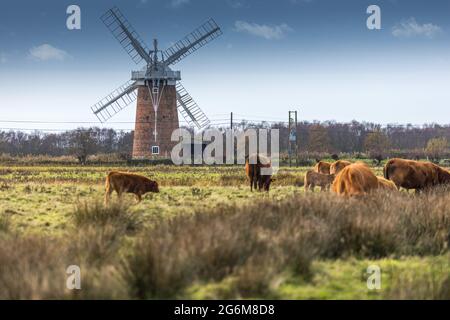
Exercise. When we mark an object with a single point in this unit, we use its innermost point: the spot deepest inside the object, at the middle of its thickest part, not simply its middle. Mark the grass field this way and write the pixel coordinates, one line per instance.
(205, 235)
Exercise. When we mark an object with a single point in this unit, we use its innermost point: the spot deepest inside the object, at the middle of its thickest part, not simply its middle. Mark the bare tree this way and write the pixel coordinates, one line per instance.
(318, 141)
(376, 144)
(82, 144)
(436, 148)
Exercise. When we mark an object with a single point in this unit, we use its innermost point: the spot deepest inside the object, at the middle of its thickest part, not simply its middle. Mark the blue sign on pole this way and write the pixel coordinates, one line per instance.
(293, 136)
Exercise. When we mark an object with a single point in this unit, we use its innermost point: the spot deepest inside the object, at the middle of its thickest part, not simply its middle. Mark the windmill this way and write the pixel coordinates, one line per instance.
(156, 87)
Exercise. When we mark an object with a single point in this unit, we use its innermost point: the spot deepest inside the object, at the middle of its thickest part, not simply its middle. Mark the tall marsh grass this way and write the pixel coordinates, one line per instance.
(252, 246)
(256, 243)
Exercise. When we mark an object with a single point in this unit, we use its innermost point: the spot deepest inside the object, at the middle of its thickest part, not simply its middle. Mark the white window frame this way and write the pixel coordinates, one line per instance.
(153, 148)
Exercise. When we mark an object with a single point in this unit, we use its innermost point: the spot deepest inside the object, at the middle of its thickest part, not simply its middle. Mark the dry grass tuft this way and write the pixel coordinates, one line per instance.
(257, 243)
(96, 214)
(31, 268)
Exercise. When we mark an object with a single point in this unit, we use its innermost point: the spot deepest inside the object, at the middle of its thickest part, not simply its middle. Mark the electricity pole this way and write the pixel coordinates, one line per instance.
(231, 121)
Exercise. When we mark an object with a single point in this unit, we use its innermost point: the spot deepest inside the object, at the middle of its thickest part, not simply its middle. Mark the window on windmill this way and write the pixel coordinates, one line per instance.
(155, 149)
(155, 90)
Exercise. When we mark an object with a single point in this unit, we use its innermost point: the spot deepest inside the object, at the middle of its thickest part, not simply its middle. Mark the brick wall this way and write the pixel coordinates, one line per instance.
(145, 123)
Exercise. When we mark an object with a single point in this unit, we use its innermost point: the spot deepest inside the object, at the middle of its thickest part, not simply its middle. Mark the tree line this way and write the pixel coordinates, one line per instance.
(371, 139)
(80, 143)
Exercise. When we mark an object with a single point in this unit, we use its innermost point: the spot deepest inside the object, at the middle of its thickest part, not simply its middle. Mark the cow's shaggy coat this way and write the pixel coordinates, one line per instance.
(125, 182)
(322, 167)
(418, 175)
(315, 179)
(337, 166)
(354, 180)
(253, 170)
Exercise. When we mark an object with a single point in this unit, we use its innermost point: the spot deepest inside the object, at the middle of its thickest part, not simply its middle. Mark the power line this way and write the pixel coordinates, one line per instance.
(214, 123)
(259, 117)
(94, 122)
(308, 130)
(51, 129)
(66, 130)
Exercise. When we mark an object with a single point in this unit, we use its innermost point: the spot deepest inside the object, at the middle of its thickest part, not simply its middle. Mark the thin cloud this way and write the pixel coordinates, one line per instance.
(178, 3)
(410, 28)
(236, 4)
(46, 52)
(262, 30)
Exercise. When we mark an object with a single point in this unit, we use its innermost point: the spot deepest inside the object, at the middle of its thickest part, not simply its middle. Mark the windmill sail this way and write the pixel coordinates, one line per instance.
(126, 35)
(192, 42)
(189, 109)
(115, 101)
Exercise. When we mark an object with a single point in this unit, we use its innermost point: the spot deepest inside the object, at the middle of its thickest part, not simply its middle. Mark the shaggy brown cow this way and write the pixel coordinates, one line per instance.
(355, 179)
(410, 174)
(129, 183)
(386, 184)
(253, 165)
(322, 167)
(337, 166)
(315, 179)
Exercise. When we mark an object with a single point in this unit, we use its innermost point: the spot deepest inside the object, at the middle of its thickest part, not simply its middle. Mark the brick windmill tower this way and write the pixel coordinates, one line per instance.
(157, 88)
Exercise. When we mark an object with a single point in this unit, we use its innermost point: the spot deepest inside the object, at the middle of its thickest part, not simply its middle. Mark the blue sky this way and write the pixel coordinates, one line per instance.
(315, 56)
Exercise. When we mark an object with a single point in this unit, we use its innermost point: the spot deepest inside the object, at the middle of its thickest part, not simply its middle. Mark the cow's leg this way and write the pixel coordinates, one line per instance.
(264, 183)
(255, 178)
(267, 185)
(138, 197)
(108, 193)
(260, 183)
(251, 184)
(119, 194)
